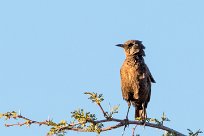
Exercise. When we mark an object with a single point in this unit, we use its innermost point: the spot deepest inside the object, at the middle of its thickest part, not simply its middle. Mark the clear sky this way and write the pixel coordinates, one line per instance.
(53, 51)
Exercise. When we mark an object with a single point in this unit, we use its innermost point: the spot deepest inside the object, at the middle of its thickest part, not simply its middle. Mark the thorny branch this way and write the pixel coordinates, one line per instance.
(133, 130)
(87, 122)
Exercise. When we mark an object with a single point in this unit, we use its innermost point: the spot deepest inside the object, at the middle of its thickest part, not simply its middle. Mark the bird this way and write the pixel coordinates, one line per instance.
(136, 78)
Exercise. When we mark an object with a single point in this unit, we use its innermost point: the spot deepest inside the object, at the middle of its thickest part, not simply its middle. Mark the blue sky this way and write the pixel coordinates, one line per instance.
(53, 51)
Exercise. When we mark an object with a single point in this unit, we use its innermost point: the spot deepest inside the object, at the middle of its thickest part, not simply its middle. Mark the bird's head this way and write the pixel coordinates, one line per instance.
(133, 48)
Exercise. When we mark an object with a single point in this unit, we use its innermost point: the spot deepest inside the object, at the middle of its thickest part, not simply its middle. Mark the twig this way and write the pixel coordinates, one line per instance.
(133, 130)
(104, 113)
(27, 122)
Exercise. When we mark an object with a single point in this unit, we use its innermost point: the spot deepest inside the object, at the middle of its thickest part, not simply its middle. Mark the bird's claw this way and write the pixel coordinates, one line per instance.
(126, 122)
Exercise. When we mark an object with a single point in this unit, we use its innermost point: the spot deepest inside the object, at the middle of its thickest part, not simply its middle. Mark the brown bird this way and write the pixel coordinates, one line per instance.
(135, 78)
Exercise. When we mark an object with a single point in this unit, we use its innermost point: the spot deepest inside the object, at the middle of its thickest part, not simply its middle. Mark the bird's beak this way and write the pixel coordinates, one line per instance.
(120, 45)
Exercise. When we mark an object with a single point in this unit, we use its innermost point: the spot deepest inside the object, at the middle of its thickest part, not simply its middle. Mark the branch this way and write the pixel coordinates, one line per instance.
(71, 125)
(122, 123)
(87, 122)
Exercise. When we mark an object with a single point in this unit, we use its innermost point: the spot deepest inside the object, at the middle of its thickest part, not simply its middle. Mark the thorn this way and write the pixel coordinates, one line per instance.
(48, 118)
(109, 106)
(19, 112)
(123, 133)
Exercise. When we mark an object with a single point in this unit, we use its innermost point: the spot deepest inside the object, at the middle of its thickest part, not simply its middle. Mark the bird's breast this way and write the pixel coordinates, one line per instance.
(129, 74)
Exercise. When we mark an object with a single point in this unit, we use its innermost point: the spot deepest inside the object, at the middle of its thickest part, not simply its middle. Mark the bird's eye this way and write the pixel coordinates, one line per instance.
(130, 45)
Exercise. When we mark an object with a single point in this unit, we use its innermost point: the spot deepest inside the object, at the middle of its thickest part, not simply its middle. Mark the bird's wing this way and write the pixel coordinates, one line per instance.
(149, 74)
(148, 83)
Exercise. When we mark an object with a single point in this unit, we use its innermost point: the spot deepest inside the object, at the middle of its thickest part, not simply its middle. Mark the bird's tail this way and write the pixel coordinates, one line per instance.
(140, 113)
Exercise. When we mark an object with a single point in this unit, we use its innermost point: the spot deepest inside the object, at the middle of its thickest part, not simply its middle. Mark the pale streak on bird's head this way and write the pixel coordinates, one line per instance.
(133, 48)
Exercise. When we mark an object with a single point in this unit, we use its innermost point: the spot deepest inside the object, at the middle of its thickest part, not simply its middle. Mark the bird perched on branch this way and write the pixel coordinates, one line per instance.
(136, 78)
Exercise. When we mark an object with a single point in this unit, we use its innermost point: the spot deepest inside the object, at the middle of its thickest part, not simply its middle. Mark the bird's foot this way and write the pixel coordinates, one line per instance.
(142, 120)
(138, 118)
(126, 123)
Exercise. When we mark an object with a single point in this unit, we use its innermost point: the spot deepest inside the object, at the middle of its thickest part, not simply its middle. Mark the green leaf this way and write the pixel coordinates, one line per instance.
(94, 97)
